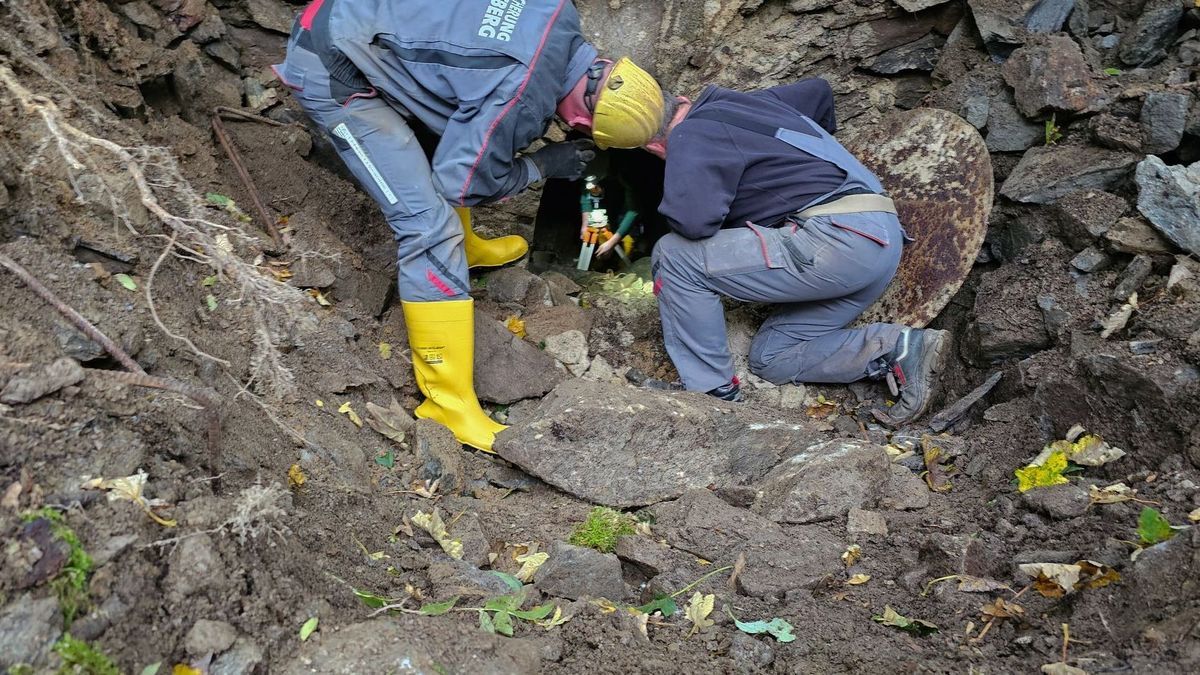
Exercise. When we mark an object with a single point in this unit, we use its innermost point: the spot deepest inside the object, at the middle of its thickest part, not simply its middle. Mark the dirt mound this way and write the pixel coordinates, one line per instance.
(127, 539)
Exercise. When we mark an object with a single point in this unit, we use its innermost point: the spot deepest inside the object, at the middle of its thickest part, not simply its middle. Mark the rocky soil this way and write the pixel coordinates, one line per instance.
(1083, 309)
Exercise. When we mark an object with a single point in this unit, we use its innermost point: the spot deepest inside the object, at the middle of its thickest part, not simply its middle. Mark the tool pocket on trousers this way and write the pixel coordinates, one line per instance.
(743, 250)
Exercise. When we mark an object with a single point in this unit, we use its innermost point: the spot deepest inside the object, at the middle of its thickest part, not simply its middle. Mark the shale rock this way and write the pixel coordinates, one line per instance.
(28, 630)
(1083, 217)
(1050, 74)
(824, 482)
(1007, 321)
(202, 84)
(1045, 174)
(507, 368)
(519, 286)
(1164, 118)
(1059, 502)
(1169, 197)
(1135, 235)
(778, 558)
(1147, 42)
(36, 382)
(575, 572)
(919, 55)
(1005, 23)
(623, 447)
(1007, 129)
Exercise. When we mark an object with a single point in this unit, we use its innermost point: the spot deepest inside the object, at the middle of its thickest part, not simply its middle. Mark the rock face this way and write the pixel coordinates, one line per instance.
(1146, 43)
(508, 369)
(1164, 118)
(624, 447)
(28, 630)
(575, 572)
(1051, 75)
(778, 558)
(1007, 129)
(1083, 217)
(824, 482)
(1045, 174)
(1169, 197)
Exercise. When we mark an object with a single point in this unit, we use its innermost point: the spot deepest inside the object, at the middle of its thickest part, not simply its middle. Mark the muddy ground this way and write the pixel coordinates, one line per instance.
(302, 505)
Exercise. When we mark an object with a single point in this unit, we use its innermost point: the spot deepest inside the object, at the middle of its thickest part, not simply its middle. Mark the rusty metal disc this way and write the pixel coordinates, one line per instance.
(936, 167)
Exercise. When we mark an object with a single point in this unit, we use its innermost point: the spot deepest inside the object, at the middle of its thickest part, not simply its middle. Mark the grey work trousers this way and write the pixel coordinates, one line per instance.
(823, 273)
(380, 149)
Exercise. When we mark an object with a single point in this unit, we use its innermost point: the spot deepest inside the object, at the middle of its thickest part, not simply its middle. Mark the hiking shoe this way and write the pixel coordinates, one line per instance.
(911, 367)
(731, 392)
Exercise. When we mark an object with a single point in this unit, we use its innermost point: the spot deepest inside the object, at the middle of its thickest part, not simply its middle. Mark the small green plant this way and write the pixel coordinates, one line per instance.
(1053, 131)
(601, 529)
(70, 584)
(82, 658)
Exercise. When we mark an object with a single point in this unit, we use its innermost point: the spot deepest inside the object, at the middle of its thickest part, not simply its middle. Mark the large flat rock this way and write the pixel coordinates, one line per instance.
(507, 368)
(1169, 197)
(1047, 173)
(824, 482)
(623, 447)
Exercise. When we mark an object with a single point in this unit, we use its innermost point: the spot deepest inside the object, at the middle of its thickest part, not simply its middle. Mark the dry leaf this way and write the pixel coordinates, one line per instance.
(858, 579)
(698, 610)
(1095, 575)
(530, 562)
(1113, 494)
(1117, 320)
(385, 350)
(999, 609)
(935, 473)
(349, 412)
(852, 554)
(130, 489)
(1052, 580)
(296, 476)
(738, 566)
(1194, 516)
(320, 297)
(432, 523)
(1092, 450)
(390, 421)
(12, 497)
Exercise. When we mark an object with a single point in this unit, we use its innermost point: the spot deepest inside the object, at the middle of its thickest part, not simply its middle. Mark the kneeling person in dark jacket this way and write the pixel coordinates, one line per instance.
(766, 206)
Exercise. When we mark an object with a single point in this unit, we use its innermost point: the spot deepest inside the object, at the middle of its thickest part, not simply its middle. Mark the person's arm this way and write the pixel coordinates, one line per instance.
(704, 168)
(476, 159)
(812, 98)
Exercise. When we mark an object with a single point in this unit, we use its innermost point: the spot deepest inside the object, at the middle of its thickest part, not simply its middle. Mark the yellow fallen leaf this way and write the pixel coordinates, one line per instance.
(515, 326)
(385, 350)
(1095, 575)
(852, 554)
(698, 610)
(320, 403)
(999, 609)
(296, 476)
(1194, 516)
(345, 409)
(702, 562)
(1046, 474)
(858, 579)
(530, 562)
(184, 669)
(319, 297)
(432, 523)
(1052, 580)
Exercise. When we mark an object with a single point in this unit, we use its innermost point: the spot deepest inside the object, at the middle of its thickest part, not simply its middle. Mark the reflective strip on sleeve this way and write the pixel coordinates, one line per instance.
(343, 132)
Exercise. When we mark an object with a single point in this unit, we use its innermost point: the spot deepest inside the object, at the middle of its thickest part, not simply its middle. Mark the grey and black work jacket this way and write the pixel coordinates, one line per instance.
(484, 75)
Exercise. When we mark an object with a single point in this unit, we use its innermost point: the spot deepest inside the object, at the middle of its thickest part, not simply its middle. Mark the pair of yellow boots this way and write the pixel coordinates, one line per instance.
(442, 337)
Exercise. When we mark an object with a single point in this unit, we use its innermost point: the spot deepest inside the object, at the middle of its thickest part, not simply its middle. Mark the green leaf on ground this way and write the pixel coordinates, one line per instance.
(370, 599)
(387, 460)
(438, 608)
(217, 199)
(664, 604)
(509, 580)
(209, 281)
(152, 669)
(536, 614)
(891, 617)
(778, 628)
(126, 281)
(211, 301)
(307, 629)
(1153, 528)
(1112, 71)
(485, 623)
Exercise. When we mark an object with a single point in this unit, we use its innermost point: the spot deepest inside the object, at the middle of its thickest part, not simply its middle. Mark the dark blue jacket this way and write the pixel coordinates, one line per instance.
(719, 175)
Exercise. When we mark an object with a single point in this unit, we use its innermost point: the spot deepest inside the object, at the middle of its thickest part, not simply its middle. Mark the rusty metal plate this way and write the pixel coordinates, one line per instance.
(936, 167)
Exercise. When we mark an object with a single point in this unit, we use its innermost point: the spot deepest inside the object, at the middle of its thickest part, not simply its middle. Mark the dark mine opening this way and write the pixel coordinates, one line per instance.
(617, 182)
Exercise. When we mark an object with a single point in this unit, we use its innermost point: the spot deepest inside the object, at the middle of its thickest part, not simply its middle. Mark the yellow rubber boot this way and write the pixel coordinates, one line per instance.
(442, 337)
(489, 252)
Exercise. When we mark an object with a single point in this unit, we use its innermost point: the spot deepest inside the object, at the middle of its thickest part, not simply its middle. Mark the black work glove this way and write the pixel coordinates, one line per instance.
(564, 160)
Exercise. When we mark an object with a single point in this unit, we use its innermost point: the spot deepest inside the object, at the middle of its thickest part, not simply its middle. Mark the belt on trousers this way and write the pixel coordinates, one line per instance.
(850, 204)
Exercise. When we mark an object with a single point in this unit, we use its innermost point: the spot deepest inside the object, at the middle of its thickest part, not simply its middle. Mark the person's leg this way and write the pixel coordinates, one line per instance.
(382, 152)
(815, 263)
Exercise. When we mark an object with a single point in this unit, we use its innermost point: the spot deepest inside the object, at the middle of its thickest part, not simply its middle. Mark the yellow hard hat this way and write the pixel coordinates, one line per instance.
(629, 108)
